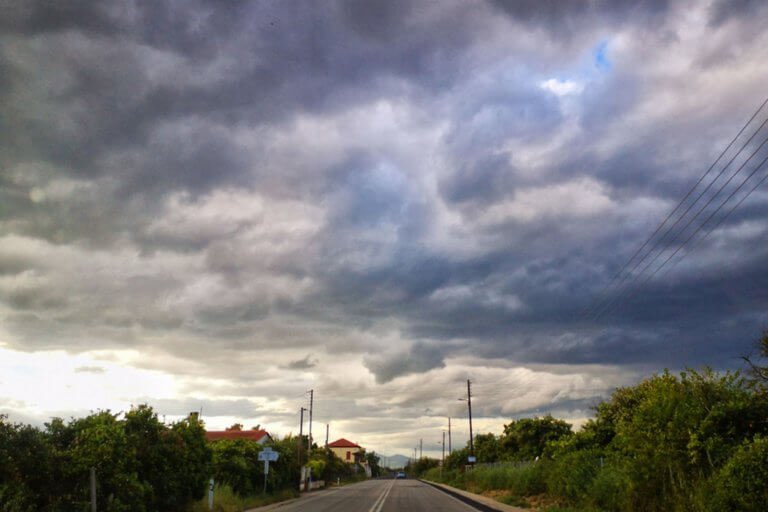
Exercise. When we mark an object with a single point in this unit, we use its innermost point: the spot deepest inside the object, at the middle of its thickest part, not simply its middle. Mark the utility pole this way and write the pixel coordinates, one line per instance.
(443, 459)
(421, 448)
(327, 426)
(469, 405)
(311, 400)
(301, 434)
(449, 436)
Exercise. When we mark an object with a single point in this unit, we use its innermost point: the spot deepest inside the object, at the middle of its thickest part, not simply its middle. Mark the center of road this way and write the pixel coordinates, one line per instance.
(382, 497)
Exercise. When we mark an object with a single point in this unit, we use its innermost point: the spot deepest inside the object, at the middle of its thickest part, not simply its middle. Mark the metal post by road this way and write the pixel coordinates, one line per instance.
(93, 489)
(266, 470)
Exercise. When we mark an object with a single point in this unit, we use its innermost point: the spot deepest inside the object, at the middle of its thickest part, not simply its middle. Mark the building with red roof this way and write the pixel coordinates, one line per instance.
(347, 450)
(260, 436)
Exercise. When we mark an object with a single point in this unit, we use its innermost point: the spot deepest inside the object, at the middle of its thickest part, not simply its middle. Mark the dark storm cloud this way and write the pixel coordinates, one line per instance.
(419, 359)
(296, 176)
(302, 364)
(722, 11)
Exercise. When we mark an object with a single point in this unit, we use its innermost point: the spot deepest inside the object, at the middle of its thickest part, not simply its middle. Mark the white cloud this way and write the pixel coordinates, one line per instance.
(583, 197)
(562, 87)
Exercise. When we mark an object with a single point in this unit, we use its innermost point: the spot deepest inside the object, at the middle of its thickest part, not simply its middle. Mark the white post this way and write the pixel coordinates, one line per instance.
(266, 470)
(210, 494)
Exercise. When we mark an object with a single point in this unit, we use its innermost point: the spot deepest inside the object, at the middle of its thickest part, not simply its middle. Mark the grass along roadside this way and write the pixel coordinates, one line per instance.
(225, 500)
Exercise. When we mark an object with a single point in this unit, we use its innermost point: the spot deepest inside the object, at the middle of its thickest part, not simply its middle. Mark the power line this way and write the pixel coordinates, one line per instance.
(701, 226)
(589, 310)
(626, 287)
(719, 222)
(759, 166)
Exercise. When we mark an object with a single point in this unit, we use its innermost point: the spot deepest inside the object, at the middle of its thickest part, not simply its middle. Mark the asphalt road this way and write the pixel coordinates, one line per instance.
(379, 496)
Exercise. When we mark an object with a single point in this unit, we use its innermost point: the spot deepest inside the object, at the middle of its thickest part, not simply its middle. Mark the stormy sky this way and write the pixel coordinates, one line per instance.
(222, 205)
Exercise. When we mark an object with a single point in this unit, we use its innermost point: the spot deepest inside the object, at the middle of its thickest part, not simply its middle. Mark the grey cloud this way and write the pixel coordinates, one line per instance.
(302, 364)
(89, 369)
(419, 358)
(241, 408)
(721, 11)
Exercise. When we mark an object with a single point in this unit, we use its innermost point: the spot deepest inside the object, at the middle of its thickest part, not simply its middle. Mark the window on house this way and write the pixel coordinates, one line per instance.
(349, 454)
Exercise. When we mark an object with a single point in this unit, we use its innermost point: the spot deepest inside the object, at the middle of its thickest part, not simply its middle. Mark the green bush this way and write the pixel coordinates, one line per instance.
(742, 484)
(572, 474)
(141, 465)
(608, 490)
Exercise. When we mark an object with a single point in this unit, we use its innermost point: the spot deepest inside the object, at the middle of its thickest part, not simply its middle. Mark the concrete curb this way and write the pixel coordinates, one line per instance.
(475, 500)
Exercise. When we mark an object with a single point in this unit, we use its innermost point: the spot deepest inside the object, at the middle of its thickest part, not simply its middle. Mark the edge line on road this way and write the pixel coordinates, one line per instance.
(463, 499)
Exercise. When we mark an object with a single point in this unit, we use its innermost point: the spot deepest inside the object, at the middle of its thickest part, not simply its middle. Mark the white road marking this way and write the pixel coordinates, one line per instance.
(376, 507)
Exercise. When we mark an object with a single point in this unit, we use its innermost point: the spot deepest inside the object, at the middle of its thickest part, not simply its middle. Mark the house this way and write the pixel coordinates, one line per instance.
(260, 436)
(347, 451)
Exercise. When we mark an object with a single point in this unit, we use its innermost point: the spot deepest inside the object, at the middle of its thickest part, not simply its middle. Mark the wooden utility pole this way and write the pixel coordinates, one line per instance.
(443, 459)
(327, 426)
(311, 402)
(469, 405)
(301, 434)
(449, 436)
(421, 448)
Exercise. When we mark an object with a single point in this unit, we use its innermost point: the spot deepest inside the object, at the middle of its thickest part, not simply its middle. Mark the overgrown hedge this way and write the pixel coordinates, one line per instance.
(693, 442)
(141, 464)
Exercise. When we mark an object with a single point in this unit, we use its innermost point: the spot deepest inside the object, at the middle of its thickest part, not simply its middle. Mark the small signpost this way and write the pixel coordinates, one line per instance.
(472, 459)
(267, 455)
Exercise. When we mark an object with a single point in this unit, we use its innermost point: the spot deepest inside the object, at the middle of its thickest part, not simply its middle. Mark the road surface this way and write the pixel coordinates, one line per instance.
(379, 496)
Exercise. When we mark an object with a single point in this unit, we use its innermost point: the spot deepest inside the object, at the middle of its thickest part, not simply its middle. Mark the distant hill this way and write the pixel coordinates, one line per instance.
(394, 461)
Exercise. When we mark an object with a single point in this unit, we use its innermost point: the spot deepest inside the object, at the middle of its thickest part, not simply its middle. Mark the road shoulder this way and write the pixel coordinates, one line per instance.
(306, 496)
(478, 501)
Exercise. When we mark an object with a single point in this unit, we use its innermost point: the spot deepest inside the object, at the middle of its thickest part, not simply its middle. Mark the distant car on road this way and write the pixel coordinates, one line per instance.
(400, 474)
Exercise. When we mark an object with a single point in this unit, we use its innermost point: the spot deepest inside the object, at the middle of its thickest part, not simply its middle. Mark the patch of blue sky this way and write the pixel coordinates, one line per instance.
(600, 56)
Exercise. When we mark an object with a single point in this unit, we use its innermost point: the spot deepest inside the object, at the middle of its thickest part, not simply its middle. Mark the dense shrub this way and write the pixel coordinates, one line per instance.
(571, 475)
(140, 463)
(693, 442)
(742, 484)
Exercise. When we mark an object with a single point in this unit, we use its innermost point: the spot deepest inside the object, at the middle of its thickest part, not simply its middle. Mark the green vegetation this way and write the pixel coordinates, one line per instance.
(228, 500)
(137, 460)
(693, 442)
(144, 465)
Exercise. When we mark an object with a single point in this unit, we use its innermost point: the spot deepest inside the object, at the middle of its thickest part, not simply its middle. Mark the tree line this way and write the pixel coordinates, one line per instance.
(697, 441)
(143, 464)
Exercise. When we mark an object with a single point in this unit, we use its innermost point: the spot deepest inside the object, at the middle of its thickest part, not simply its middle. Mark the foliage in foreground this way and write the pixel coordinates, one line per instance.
(693, 442)
(137, 460)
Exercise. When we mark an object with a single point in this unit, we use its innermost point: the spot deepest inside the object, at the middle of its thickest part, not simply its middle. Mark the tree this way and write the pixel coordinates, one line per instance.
(237, 427)
(758, 371)
(486, 447)
(373, 462)
(527, 438)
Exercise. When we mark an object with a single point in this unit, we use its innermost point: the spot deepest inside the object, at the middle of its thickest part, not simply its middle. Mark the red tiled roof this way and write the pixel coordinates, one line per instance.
(252, 435)
(343, 443)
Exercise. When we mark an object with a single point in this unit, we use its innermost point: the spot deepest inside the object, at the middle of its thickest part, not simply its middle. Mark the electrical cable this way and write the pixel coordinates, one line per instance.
(627, 286)
(589, 309)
